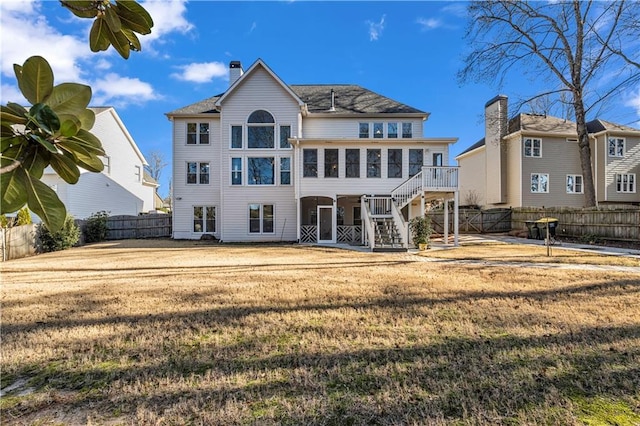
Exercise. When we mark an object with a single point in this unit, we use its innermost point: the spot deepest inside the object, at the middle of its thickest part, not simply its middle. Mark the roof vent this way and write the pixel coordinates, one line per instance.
(333, 101)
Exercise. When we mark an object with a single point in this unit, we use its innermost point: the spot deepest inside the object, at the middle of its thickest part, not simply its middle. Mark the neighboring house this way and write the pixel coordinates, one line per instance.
(267, 161)
(533, 161)
(121, 188)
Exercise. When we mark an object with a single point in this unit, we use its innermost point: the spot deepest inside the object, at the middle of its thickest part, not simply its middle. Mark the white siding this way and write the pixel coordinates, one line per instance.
(347, 128)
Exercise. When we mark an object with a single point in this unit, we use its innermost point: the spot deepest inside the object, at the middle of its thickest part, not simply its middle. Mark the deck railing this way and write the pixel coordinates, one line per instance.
(439, 178)
(406, 191)
(379, 206)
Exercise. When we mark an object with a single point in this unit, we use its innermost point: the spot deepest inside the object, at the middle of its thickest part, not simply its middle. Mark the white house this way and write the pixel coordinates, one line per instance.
(267, 161)
(121, 188)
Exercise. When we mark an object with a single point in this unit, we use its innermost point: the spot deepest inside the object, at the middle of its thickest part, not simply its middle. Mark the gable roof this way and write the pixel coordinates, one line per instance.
(476, 145)
(112, 111)
(257, 64)
(599, 125)
(315, 98)
(541, 123)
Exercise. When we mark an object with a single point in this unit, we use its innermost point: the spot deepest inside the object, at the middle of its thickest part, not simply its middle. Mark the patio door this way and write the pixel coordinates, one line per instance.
(326, 230)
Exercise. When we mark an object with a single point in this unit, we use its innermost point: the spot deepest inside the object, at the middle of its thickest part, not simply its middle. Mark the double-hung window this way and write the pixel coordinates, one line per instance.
(394, 164)
(260, 171)
(374, 163)
(260, 130)
(331, 163)
(261, 218)
(574, 184)
(285, 171)
(204, 219)
(532, 147)
(616, 147)
(310, 162)
(197, 133)
(626, 182)
(352, 163)
(236, 171)
(236, 137)
(197, 173)
(539, 183)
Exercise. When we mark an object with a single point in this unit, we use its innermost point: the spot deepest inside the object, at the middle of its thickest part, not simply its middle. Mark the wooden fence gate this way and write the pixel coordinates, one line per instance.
(473, 221)
(146, 226)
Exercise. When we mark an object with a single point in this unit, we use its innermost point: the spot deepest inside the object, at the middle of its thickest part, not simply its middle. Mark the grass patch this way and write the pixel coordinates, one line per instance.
(182, 333)
(518, 253)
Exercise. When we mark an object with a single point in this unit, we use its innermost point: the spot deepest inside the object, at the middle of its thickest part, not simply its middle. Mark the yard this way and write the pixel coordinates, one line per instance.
(166, 332)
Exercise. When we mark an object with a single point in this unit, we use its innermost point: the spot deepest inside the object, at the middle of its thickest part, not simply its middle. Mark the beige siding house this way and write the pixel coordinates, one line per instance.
(533, 160)
(267, 161)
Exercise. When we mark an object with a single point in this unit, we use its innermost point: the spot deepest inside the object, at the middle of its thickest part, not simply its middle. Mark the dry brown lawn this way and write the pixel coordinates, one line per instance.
(171, 333)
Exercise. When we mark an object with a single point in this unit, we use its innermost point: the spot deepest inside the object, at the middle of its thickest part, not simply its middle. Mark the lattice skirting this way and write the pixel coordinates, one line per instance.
(349, 233)
(308, 234)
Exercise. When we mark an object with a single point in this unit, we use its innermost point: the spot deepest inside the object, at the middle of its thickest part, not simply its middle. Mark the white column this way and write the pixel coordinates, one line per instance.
(422, 206)
(298, 201)
(446, 221)
(456, 198)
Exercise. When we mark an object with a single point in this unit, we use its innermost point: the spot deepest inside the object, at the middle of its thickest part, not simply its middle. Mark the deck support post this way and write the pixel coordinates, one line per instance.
(456, 201)
(446, 221)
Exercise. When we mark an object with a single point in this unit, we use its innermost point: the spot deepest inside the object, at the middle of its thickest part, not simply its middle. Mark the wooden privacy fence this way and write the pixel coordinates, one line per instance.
(473, 221)
(146, 226)
(612, 223)
(18, 241)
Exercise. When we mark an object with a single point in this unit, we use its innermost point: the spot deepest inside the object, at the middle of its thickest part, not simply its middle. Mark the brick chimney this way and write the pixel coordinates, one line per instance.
(235, 71)
(495, 128)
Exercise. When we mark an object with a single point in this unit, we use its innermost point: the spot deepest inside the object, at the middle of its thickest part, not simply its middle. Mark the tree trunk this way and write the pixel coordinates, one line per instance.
(585, 152)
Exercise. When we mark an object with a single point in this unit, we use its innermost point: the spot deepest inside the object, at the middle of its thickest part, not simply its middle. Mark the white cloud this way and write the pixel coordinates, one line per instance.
(201, 72)
(633, 101)
(253, 27)
(429, 23)
(456, 9)
(168, 17)
(376, 28)
(12, 94)
(116, 90)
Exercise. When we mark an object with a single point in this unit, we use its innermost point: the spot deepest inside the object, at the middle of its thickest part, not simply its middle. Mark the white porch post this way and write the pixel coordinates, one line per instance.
(298, 219)
(455, 218)
(422, 206)
(446, 221)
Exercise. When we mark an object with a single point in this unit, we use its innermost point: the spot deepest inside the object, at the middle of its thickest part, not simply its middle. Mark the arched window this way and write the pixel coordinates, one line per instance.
(261, 130)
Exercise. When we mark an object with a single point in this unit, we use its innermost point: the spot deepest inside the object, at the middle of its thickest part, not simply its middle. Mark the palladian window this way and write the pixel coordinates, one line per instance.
(260, 130)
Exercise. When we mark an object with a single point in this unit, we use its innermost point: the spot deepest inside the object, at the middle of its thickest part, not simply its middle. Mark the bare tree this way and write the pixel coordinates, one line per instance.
(156, 164)
(587, 50)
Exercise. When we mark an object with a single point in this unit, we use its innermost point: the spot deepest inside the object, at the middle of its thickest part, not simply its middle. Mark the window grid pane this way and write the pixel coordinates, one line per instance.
(204, 173)
(378, 130)
(374, 163)
(285, 171)
(394, 163)
(260, 137)
(261, 171)
(331, 163)
(197, 219)
(310, 163)
(204, 133)
(407, 130)
(364, 130)
(352, 160)
(192, 173)
(236, 137)
(192, 130)
(415, 161)
(392, 130)
(285, 134)
(210, 224)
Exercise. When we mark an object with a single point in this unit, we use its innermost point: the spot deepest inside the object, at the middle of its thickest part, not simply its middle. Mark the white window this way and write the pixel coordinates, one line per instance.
(106, 161)
(236, 137)
(236, 171)
(378, 130)
(137, 173)
(407, 130)
(285, 134)
(532, 147)
(260, 130)
(331, 163)
(261, 219)
(574, 184)
(392, 130)
(310, 162)
(261, 171)
(616, 147)
(285, 171)
(204, 219)
(197, 173)
(626, 183)
(363, 130)
(197, 133)
(539, 182)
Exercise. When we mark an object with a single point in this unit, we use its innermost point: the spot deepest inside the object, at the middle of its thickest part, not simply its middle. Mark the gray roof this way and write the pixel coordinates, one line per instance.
(348, 99)
(541, 123)
(472, 147)
(598, 125)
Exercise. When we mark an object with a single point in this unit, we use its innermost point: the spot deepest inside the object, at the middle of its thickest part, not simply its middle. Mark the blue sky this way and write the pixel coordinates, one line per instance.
(408, 51)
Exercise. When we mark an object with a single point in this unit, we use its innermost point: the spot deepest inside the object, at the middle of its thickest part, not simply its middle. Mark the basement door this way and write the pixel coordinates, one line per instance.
(326, 231)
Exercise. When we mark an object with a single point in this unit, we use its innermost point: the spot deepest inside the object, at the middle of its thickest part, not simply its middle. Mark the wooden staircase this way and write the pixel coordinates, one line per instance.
(387, 236)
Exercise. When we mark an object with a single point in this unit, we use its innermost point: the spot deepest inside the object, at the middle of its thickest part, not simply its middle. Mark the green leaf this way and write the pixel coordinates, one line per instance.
(66, 168)
(81, 8)
(45, 117)
(44, 202)
(17, 109)
(112, 20)
(70, 127)
(36, 79)
(12, 190)
(42, 141)
(69, 98)
(120, 43)
(11, 115)
(87, 118)
(142, 17)
(82, 157)
(98, 40)
(13, 153)
(132, 21)
(134, 43)
(89, 141)
(36, 161)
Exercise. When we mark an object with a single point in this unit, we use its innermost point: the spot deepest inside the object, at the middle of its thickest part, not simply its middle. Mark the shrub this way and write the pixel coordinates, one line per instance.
(421, 230)
(65, 238)
(95, 228)
(23, 217)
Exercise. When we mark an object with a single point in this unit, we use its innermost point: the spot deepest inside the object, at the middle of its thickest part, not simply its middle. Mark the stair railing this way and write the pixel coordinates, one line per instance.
(403, 227)
(370, 233)
(406, 191)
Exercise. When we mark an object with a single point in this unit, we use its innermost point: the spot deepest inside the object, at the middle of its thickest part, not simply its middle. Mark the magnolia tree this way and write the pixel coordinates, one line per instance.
(54, 130)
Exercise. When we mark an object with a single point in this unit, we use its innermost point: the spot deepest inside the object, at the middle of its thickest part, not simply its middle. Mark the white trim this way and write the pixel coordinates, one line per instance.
(533, 141)
(573, 192)
(531, 179)
(333, 223)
